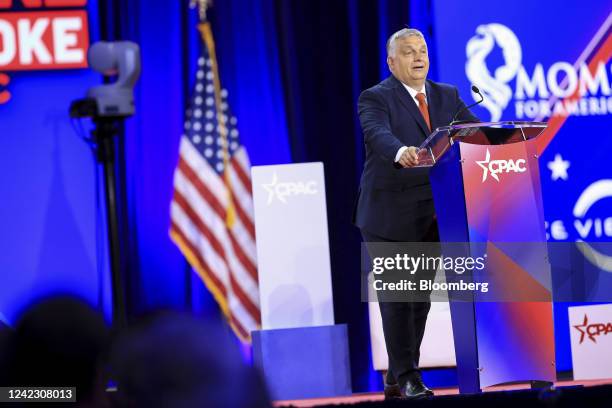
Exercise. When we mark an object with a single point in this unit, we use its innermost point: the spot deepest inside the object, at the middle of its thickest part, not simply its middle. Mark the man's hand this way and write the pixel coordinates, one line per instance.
(409, 157)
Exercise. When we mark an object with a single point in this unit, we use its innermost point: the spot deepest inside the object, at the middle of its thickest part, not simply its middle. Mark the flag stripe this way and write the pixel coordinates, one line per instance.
(204, 172)
(242, 333)
(221, 240)
(190, 194)
(250, 307)
(214, 262)
(240, 166)
(246, 221)
(204, 191)
(202, 263)
(241, 156)
(238, 302)
(244, 260)
(199, 224)
(242, 195)
(202, 268)
(245, 241)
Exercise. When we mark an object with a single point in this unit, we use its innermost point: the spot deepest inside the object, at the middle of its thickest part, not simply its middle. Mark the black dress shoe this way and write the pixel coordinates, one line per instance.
(415, 389)
(392, 391)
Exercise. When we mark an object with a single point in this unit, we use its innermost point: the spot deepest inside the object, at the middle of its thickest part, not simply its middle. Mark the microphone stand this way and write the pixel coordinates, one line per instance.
(458, 122)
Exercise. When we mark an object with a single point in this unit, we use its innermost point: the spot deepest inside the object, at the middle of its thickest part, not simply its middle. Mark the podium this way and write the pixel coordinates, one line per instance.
(486, 187)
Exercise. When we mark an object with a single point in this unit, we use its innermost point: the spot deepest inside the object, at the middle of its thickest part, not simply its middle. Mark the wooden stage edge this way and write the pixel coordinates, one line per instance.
(378, 396)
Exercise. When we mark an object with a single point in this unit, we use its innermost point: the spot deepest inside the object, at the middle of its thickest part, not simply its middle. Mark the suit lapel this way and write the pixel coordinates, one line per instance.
(406, 100)
(434, 100)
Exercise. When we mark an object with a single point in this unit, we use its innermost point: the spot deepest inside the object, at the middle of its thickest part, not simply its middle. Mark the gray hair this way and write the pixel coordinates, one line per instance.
(404, 32)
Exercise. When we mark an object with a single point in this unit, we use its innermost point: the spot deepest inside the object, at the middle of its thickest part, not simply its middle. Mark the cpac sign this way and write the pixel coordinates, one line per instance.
(41, 38)
(591, 340)
(496, 167)
(562, 89)
(592, 330)
(285, 189)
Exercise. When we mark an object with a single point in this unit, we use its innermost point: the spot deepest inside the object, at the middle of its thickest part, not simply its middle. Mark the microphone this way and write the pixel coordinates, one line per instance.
(475, 90)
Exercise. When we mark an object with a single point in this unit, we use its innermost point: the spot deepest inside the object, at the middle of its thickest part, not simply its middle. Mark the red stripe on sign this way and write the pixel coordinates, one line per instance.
(556, 122)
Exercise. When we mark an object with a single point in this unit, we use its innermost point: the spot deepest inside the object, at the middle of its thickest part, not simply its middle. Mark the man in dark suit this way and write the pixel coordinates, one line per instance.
(395, 200)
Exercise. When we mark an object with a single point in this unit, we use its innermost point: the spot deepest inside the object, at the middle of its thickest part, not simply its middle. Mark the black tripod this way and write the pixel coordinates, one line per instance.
(104, 135)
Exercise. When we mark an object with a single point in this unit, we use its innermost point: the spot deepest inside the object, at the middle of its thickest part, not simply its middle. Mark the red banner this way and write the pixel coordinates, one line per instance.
(43, 40)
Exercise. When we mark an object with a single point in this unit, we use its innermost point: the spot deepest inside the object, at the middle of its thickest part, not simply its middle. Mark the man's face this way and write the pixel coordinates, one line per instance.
(410, 62)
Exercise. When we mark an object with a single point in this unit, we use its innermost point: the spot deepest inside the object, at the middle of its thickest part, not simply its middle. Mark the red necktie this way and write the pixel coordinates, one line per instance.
(423, 108)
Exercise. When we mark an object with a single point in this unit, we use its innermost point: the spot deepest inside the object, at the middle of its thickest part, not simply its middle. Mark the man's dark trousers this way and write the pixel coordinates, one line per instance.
(403, 324)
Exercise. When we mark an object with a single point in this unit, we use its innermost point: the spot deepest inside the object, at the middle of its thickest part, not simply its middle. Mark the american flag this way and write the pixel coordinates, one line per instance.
(212, 208)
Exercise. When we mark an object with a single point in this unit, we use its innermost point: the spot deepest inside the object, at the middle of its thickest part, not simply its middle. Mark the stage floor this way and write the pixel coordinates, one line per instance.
(378, 396)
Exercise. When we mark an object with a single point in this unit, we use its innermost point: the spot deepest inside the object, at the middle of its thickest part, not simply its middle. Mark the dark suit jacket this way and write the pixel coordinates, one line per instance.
(397, 203)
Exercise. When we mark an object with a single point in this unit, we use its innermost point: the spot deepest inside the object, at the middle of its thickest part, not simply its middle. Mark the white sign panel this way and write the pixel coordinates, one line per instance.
(437, 347)
(292, 246)
(591, 339)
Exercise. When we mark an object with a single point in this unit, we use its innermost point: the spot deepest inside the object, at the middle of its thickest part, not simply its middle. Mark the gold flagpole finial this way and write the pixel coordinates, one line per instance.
(202, 6)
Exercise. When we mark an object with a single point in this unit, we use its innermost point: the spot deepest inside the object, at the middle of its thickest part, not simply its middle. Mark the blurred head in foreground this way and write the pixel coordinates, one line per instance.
(59, 342)
(174, 360)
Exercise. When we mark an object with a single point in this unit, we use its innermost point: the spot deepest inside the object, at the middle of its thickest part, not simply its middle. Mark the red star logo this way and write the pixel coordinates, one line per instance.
(582, 328)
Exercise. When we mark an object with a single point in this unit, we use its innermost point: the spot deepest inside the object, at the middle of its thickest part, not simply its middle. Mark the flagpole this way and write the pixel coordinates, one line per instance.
(218, 244)
(207, 37)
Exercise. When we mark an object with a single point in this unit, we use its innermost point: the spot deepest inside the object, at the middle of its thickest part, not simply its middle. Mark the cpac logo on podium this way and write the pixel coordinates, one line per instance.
(592, 330)
(283, 190)
(496, 167)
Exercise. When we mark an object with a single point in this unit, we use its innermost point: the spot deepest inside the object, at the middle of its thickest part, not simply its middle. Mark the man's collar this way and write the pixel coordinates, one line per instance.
(410, 90)
(413, 92)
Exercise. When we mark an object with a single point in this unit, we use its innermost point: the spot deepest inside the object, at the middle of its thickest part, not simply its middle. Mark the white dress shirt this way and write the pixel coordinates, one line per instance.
(413, 92)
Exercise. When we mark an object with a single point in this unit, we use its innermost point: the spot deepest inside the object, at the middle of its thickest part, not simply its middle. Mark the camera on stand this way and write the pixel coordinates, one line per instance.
(108, 105)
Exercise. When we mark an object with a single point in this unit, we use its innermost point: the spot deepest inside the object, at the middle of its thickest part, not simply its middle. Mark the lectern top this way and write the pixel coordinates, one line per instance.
(482, 133)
